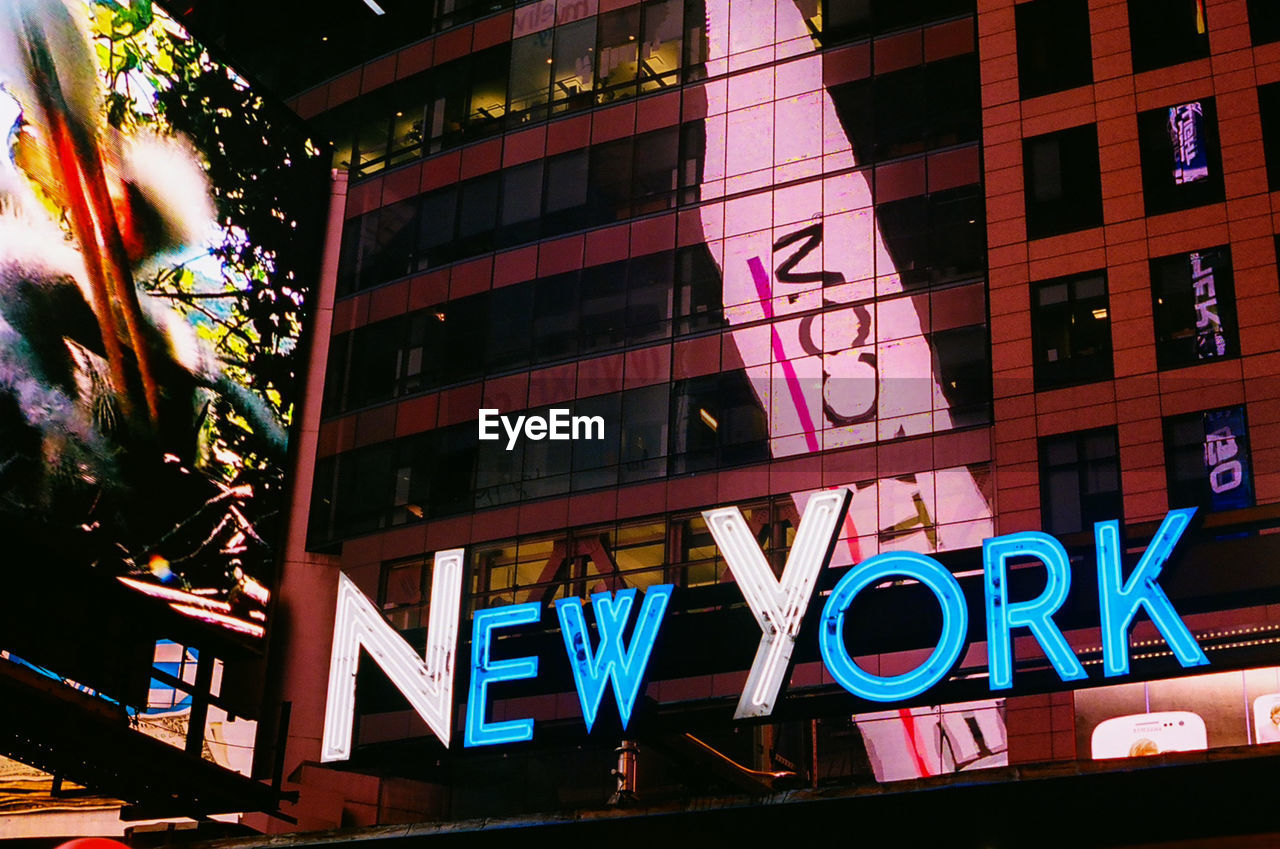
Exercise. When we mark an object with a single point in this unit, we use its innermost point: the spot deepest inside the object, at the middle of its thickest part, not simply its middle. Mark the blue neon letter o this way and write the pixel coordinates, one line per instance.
(955, 625)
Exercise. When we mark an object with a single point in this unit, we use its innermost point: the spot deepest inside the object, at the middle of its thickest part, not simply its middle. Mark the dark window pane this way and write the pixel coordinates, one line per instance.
(508, 343)
(465, 323)
(453, 471)
(610, 180)
(1181, 158)
(1071, 331)
(555, 317)
(1269, 107)
(1063, 182)
(395, 240)
(1264, 21)
(657, 160)
(477, 215)
(1166, 32)
(1079, 480)
(898, 101)
(649, 297)
(604, 307)
(547, 465)
(521, 203)
(1053, 46)
(565, 197)
(644, 432)
(351, 255)
(957, 234)
(335, 375)
(498, 471)
(699, 303)
(595, 461)
(953, 101)
(436, 233)
(363, 489)
(1193, 304)
(376, 350)
(964, 371)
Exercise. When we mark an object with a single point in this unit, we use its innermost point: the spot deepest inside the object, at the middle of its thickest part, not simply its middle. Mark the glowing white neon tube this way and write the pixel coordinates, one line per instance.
(778, 606)
(427, 683)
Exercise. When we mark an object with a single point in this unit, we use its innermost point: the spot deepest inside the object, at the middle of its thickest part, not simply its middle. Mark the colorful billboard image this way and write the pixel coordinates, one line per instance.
(1186, 134)
(919, 742)
(152, 298)
(832, 342)
(1146, 734)
(1266, 718)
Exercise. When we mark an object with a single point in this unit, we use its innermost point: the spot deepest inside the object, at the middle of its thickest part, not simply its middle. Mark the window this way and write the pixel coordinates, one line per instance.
(843, 20)
(1063, 181)
(656, 170)
(716, 419)
(1194, 307)
(935, 238)
(404, 594)
(1071, 330)
(610, 179)
(565, 198)
(912, 110)
(1264, 21)
(531, 66)
(1269, 107)
(477, 214)
(698, 298)
(619, 55)
(1181, 157)
(521, 203)
(1079, 480)
(1054, 52)
(1166, 32)
(1207, 460)
(964, 371)
(661, 45)
(573, 75)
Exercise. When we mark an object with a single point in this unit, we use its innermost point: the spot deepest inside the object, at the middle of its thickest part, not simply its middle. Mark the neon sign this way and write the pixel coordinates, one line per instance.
(779, 606)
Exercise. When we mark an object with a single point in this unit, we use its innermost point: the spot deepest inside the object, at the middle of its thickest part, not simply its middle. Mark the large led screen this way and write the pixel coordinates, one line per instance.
(833, 350)
(155, 247)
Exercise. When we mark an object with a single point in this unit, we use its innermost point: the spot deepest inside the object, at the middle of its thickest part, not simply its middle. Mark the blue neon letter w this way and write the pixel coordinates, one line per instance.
(624, 666)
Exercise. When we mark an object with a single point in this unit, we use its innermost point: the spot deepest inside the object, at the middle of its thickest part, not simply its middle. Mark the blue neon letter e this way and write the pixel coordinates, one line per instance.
(485, 671)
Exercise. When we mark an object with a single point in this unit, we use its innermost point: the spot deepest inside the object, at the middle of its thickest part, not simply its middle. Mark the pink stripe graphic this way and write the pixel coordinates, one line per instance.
(765, 291)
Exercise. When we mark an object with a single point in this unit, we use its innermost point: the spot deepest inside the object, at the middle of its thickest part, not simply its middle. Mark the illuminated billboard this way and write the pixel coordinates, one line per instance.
(627, 627)
(154, 267)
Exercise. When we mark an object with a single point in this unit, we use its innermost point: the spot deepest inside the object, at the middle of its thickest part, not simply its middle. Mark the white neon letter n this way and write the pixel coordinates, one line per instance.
(426, 682)
(778, 606)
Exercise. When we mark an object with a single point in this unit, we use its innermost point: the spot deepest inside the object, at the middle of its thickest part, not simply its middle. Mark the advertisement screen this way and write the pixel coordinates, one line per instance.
(1186, 135)
(862, 369)
(154, 259)
(1179, 715)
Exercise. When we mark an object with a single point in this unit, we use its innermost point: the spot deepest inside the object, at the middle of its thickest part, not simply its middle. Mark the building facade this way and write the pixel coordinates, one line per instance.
(986, 270)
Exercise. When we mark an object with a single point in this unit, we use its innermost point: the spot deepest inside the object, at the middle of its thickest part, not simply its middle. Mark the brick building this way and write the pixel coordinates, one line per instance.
(989, 270)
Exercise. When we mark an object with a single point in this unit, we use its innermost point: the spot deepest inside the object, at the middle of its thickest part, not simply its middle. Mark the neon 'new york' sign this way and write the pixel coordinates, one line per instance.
(778, 605)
